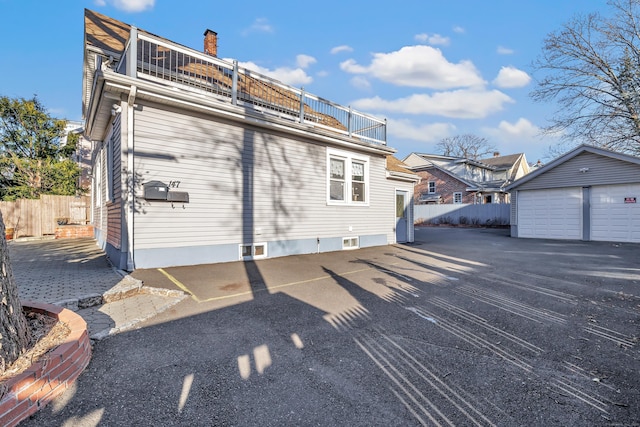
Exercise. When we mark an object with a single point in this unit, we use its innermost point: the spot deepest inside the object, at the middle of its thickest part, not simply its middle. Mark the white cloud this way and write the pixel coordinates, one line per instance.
(406, 129)
(422, 37)
(461, 104)
(504, 50)
(290, 76)
(341, 48)
(511, 77)
(522, 128)
(129, 5)
(260, 25)
(522, 136)
(458, 29)
(360, 82)
(418, 66)
(303, 61)
(433, 39)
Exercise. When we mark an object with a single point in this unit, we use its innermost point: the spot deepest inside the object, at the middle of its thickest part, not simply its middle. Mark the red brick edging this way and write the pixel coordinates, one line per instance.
(73, 231)
(33, 389)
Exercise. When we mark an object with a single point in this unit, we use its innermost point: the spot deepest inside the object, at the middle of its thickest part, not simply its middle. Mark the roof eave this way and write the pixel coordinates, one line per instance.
(402, 176)
(568, 156)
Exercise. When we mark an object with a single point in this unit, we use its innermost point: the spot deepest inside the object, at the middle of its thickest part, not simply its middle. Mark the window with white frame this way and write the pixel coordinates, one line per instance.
(432, 187)
(348, 178)
(109, 149)
(336, 179)
(457, 197)
(358, 185)
(253, 251)
(350, 243)
(97, 170)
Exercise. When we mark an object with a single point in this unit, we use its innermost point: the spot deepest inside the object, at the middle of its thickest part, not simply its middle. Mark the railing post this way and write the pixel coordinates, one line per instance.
(234, 84)
(132, 56)
(302, 105)
(349, 119)
(384, 134)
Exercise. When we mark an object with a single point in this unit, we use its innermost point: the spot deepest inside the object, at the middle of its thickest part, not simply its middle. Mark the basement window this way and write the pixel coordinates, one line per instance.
(256, 250)
(350, 243)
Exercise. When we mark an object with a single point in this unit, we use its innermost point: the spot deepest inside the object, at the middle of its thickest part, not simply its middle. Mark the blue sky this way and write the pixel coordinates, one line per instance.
(433, 69)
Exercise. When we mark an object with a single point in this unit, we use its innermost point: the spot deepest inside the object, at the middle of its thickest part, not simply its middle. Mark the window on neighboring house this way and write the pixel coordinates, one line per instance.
(348, 178)
(432, 187)
(457, 197)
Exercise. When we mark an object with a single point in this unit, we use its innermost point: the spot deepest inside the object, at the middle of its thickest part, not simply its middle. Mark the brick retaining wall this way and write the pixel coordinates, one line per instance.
(73, 231)
(46, 379)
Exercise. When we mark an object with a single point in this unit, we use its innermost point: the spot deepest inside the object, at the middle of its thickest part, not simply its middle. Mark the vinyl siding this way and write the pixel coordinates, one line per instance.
(602, 171)
(244, 185)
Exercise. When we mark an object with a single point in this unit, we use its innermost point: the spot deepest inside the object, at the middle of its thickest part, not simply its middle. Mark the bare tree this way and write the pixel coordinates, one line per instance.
(591, 68)
(467, 146)
(14, 330)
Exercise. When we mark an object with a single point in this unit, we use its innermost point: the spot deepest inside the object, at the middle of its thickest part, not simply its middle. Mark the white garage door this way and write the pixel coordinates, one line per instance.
(614, 215)
(550, 214)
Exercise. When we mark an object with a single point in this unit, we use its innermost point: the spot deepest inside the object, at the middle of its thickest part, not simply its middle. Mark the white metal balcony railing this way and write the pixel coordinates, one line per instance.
(162, 61)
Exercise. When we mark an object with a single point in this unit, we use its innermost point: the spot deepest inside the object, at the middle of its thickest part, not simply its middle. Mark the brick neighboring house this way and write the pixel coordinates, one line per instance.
(456, 180)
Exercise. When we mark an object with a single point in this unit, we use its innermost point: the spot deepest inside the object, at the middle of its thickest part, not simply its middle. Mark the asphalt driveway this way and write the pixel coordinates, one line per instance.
(464, 327)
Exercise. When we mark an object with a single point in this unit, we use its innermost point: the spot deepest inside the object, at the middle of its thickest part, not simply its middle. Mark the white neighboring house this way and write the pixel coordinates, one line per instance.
(82, 155)
(586, 194)
(197, 160)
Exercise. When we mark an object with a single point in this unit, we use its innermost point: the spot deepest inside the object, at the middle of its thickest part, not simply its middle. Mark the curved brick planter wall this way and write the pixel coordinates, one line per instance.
(50, 377)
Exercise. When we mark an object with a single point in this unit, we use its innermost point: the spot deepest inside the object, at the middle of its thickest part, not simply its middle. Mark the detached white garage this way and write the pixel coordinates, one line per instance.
(587, 194)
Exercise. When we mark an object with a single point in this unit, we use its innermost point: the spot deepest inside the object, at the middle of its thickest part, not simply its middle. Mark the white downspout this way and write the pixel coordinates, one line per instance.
(131, 184)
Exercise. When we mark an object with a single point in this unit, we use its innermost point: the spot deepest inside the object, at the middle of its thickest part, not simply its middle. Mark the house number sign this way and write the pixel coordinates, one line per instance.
(630, 200)
(174, 184)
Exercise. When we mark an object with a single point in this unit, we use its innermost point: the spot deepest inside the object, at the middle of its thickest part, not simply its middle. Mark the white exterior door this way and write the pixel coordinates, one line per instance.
(550, 214)
(402, 223)
(615, 213)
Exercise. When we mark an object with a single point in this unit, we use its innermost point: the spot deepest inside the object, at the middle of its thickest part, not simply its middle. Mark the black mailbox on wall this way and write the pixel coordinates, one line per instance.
(155, 190)
(178, 196)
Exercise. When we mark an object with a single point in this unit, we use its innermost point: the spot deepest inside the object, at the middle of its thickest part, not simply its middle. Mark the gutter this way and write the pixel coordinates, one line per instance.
(402, 176)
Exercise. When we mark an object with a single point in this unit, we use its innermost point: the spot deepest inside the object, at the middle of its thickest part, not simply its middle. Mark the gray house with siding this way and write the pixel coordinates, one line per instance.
(587, 194)
(198, 160)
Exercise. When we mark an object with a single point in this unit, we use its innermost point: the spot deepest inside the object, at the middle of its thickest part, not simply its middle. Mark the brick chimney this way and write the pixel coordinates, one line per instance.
(496, 154)
(211, 43)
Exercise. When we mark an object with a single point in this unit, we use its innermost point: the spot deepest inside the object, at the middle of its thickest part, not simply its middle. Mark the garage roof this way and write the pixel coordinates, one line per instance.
(571, 155)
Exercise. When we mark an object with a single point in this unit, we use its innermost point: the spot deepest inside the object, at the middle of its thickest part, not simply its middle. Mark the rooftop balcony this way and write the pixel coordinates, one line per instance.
(164, 62)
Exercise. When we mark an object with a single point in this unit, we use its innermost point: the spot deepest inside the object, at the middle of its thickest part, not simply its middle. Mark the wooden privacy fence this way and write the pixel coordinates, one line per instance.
(39, 217)
(488, 214)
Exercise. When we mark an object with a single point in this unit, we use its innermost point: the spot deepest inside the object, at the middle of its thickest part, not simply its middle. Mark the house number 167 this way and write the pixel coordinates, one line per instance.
(174, 184)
